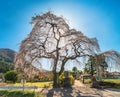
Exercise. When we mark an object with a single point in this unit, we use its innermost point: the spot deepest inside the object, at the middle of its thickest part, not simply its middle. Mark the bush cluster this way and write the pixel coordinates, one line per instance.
(11, 76)
(62, 78)
(43, 77)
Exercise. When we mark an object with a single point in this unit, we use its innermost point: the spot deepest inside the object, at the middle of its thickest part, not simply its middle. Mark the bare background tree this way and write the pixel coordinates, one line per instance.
(51, 38)
(100, 62)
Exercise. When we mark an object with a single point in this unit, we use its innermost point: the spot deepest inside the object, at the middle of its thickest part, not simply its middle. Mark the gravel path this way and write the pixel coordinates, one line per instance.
(80, 90)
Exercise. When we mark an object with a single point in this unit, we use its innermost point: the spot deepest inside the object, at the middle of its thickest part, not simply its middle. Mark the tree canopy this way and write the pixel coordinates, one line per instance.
(52, 38)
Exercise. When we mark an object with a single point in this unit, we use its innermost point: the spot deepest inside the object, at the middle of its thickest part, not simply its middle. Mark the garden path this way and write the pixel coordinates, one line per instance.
(80, 90)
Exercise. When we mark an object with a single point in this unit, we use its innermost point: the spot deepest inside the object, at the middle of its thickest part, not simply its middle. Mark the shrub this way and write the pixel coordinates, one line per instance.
(36, 78)
(71, 79)
(62, 79)
(11, 76)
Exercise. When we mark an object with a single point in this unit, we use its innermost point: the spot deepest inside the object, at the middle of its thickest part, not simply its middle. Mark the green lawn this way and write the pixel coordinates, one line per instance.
(9, 93)
(38, 84)
(117, 81)
(18, 93)
(114, 83)
(87, 81)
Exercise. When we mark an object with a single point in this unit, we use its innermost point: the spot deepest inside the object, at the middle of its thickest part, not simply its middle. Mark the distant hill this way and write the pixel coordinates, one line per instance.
(7, 55)
(6, 59)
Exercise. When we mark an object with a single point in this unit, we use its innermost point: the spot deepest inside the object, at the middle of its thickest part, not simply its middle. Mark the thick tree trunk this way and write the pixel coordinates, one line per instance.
(55, 80)
(62, 67)
(94, 82)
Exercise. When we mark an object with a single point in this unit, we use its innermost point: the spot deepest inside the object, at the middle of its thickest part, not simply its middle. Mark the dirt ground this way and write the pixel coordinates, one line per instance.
(79, 90)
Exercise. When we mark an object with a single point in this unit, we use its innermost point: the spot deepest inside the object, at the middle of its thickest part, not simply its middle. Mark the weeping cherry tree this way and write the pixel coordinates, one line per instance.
(51, 38)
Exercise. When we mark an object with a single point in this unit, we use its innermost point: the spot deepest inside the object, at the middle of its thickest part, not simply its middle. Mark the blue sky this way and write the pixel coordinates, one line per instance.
(95, 18)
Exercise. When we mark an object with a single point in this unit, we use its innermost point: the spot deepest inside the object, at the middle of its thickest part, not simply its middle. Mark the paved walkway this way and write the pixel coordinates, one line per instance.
(80, 90)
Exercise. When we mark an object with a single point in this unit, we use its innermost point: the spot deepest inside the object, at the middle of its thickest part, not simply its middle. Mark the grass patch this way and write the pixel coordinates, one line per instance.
(5, 93)
(38, 84)
(87, 81)
(117, 81)
(112, 83)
